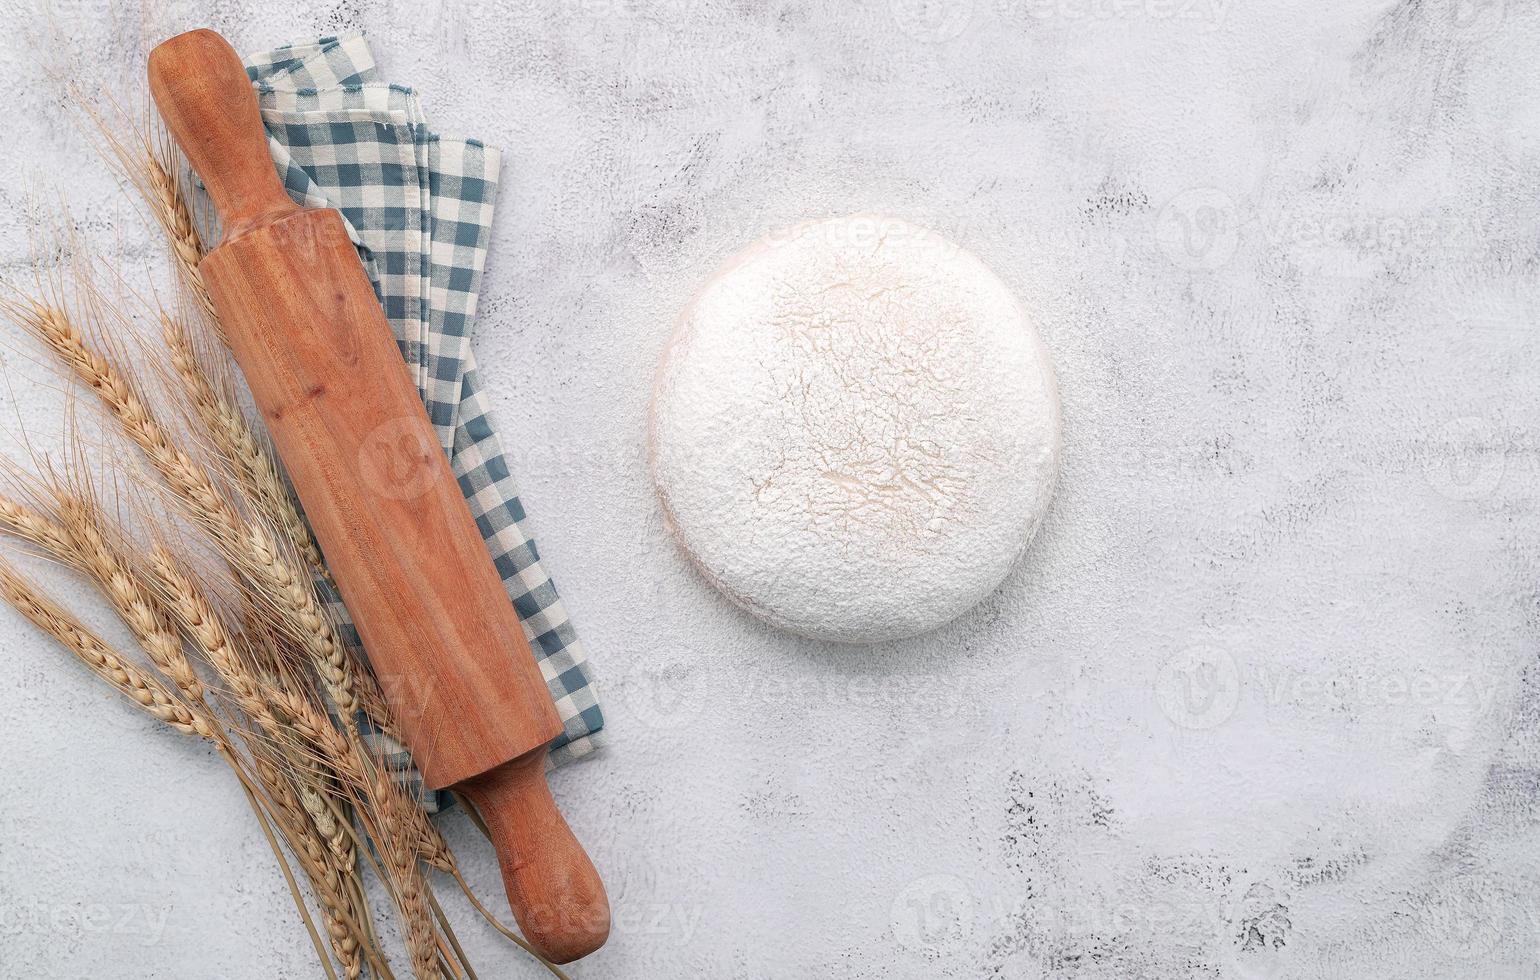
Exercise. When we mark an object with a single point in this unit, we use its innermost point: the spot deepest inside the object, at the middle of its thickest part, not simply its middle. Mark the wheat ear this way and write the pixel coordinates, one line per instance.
(406, 880)
(164, 190)
(140, 686)
(136, 605)
(311, 848)
(389, 814)
(246, 545)
(203, 625)
(256, 477)
(149, 161)
(27, 523)
(253, 466)
(402, 814)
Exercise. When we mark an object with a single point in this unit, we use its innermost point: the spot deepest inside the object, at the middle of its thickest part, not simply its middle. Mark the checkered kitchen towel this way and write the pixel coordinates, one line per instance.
(419, 208)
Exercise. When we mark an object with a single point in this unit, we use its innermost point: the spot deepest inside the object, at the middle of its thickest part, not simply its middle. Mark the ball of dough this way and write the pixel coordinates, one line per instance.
(855, 429)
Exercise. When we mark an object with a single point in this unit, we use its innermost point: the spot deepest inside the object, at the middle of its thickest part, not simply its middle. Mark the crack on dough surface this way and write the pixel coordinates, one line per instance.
(855, 430)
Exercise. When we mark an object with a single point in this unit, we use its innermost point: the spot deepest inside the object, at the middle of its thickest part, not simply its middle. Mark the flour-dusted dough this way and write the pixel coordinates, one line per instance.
(855, 430)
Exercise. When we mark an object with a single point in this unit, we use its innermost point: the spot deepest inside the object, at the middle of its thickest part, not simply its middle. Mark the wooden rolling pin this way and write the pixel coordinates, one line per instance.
(323, 365)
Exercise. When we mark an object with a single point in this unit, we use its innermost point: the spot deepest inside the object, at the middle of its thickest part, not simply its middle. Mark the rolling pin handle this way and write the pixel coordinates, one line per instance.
(555, 893)
(201, 89)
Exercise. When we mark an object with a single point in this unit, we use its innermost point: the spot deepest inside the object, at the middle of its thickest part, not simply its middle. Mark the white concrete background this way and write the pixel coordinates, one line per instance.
(1263, 699)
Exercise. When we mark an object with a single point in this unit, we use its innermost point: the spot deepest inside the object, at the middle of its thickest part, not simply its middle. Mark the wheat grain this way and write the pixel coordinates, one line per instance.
(28, 524)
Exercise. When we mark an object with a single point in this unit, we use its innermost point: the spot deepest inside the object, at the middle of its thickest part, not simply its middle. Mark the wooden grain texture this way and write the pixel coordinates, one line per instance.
(398, 536)
(213, 114)
(325, 371)
(551, 884)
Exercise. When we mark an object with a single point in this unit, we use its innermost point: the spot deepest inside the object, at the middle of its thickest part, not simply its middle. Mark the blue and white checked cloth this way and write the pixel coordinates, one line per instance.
(419, 208)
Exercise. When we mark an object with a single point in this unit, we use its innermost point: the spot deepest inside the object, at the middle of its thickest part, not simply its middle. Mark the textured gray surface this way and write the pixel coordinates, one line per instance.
(1261, 701)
